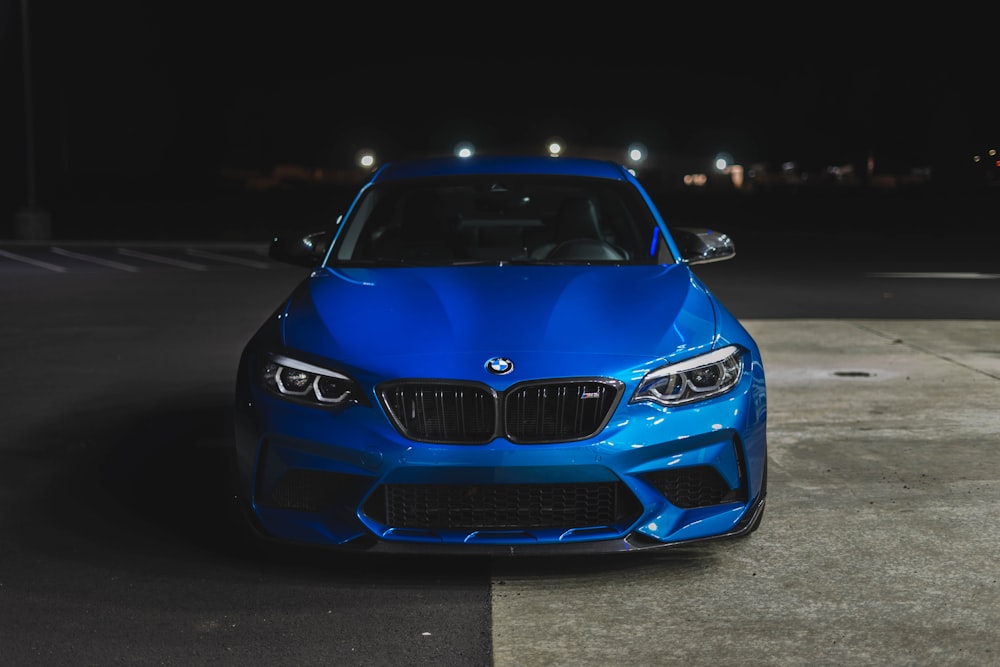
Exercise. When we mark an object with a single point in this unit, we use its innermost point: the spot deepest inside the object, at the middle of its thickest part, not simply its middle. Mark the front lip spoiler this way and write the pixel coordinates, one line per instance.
(630, 543)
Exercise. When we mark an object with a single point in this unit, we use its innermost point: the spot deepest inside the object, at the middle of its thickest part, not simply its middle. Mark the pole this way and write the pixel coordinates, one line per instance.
(29, 121)
(31, 222)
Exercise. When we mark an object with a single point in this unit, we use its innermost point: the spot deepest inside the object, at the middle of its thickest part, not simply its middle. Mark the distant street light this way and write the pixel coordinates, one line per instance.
(723, 161)
(637, 153)
(725, 164)
(365, 158)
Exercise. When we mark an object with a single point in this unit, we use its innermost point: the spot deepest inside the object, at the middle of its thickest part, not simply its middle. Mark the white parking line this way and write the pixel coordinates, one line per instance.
(226, 258)
(34, 262)
(940, 275)
(162, 260)
(95, 260)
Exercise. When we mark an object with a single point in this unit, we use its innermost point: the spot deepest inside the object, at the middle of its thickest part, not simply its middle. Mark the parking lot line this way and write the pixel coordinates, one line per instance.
(34, 262)
(944, 275)
(194, 252)
(111, 264)
(162, 260)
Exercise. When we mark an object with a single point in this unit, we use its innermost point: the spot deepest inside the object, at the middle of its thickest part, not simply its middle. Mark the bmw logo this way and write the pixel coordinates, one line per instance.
(499, 365)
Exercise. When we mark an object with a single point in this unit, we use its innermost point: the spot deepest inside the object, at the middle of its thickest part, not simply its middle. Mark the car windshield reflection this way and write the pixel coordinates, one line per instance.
(479, 220)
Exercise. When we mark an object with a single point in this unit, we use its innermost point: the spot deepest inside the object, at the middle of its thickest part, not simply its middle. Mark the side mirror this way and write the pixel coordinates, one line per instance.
(307, 251)
(701, 246)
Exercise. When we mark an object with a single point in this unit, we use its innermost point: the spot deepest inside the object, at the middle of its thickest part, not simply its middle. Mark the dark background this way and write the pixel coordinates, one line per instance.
(172, 120)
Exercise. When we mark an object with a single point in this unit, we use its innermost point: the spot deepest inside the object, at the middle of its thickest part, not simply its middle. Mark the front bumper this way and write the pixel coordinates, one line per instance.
(647, 481)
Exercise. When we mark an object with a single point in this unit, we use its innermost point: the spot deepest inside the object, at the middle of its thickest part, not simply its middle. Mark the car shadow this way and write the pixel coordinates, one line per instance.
(149, 483)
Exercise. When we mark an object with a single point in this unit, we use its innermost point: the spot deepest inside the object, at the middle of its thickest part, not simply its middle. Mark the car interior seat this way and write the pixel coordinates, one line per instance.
(577, 234)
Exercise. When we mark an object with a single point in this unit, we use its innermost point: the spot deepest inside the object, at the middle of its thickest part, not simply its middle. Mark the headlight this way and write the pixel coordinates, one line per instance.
(692, 380)
(299, 381)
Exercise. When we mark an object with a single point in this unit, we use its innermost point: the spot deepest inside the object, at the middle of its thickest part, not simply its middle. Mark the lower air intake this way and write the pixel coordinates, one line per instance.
(502, 506)
(697, 486)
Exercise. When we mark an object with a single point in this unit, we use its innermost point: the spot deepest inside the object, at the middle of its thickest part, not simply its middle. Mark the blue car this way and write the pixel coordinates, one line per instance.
(501, 355)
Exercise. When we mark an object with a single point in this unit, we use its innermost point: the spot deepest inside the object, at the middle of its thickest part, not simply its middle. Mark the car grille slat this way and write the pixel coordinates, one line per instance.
(442, 413)
(529, 413)
(502, 506)
(546, 413)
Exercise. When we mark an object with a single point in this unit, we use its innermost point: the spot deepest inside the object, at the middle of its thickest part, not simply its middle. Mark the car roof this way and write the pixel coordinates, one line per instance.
(498, 164)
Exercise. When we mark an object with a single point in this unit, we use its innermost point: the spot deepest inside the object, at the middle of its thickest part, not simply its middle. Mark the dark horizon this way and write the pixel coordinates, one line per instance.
(153, 101)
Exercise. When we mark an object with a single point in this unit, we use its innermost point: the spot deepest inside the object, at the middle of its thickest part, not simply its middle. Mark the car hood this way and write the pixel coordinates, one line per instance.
(439, 322)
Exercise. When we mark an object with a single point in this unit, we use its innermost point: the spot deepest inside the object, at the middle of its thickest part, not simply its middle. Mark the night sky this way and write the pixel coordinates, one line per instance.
(155, 91)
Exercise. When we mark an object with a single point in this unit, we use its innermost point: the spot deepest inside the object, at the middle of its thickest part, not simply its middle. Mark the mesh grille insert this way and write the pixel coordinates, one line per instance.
(502, 506)
(697, 486)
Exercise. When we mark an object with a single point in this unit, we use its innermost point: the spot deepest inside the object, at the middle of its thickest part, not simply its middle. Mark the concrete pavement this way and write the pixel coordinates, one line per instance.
(878, 546)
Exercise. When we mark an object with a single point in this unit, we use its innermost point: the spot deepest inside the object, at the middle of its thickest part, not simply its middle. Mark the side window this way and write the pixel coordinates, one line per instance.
(358, 222)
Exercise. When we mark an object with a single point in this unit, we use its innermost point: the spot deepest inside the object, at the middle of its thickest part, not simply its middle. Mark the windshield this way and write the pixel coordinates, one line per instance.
(489, 219)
